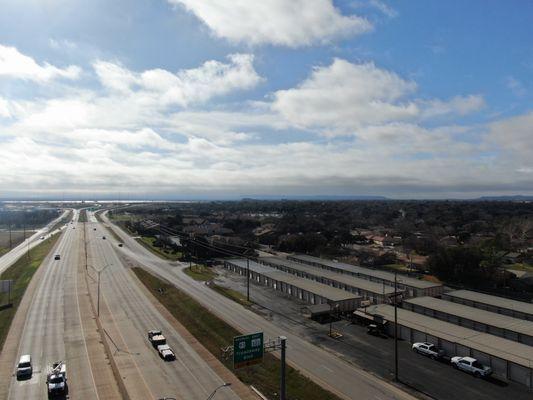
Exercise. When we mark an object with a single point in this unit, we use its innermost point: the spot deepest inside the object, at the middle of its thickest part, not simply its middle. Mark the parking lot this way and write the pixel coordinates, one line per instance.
(436, 379)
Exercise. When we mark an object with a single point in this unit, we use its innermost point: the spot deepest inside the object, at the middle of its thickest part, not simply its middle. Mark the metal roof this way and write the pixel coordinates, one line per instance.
(349, 280)
(387, 276)
(475, 314)
(496, 346)
(501, 302)
(326, 291)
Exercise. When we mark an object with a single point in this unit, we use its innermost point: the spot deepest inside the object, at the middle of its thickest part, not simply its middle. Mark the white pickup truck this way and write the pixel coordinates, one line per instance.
(428, 349)
(56, 380)
(472, 366)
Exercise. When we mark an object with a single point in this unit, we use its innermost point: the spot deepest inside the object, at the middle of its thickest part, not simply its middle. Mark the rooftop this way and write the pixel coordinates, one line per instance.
(350, 280)
(387, 276)
(475, 314)
(496, 301)
(320, 289)
(518, 353)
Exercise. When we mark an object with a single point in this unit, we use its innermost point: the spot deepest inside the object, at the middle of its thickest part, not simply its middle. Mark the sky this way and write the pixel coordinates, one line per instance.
(183, 99)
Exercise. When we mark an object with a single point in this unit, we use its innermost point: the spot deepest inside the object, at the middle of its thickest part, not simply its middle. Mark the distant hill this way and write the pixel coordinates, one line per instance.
(517, 197)
(317, 197)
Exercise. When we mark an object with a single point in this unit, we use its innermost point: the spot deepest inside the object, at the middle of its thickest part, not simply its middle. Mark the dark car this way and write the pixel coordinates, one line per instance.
(57, 257)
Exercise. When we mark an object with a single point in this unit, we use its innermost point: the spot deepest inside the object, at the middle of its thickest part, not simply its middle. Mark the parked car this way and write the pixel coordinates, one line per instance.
(165, 352)
(472, 366)
(375, 330)
(24, 367)
(428, 349)
(57, 257)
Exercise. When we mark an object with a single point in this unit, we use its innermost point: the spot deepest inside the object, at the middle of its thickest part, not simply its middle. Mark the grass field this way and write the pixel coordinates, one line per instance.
(83, 216)
(214, 334)
(232, 294)
(21, 272)
(17, 237)
(148, 242)
(200, 272)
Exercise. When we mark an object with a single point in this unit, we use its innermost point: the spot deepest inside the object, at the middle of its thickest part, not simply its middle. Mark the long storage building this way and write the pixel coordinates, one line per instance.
(411, 286)
(500, 305)
(508, 359)
(375, 292)
(303, 289)
(501, 325)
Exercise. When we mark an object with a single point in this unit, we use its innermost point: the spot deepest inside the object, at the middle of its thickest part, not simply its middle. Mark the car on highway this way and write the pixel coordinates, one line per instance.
(24, 367)
(94, 229)
(428, 349)
(120, 245)
(42, 238)
(57, 257)
(103, 237)
(165, 352)
(471, 365)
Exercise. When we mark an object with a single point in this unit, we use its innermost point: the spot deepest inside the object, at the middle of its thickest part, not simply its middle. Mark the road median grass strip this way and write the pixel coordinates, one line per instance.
(21, 272)
(214, 334)
(200, 272)
(232, 295)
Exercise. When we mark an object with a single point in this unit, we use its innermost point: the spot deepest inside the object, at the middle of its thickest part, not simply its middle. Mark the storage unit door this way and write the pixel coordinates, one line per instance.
(419, 336)
(463, 351)
(519, 374)
(405, 333)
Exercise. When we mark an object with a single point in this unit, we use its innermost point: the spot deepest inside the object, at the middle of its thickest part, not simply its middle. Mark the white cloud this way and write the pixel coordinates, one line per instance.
(4, 110)
(458, 105)
(344, 96)
(290, 23)
(384, 8)
(14, 64)
(190, 86)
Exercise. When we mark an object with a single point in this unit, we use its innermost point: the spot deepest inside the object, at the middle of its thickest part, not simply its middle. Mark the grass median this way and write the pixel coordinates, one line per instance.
(200, 272)
(21, 273)
(215, 334)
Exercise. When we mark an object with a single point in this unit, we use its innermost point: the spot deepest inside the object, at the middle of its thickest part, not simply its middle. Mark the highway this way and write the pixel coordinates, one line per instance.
(325, 368)
(53, 329)
(126, 315)
(14, 254)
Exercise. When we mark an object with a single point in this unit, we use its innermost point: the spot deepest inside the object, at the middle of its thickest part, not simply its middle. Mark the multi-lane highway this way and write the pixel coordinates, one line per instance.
(127, 315)
(14, 254)
(55, 330)
(325, 368)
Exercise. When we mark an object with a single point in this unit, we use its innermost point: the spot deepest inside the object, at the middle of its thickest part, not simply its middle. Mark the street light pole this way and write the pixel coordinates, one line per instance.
(214, 391)
(282, 389)
(248, 279)
(99, 271)
(395, 327)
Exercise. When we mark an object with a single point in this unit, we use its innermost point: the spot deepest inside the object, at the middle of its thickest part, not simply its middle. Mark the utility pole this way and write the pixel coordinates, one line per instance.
(248, 279)
(395, 326)
(282, 389)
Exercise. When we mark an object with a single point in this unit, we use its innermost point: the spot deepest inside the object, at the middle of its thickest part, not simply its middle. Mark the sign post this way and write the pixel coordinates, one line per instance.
(247, 350)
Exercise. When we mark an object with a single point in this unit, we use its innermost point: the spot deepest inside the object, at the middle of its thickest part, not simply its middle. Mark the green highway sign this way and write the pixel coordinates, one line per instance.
(247, 350)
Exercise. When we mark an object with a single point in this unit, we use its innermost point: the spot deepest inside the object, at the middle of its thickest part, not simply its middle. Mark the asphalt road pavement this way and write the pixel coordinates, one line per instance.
(325, 368)
(127, 315)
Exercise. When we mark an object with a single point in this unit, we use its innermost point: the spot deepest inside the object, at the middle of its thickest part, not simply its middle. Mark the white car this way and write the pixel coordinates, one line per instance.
(428, 349)
(165, 352)
(472, 366)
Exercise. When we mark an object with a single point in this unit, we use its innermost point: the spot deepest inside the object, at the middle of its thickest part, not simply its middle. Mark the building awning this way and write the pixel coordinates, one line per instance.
(363, 315)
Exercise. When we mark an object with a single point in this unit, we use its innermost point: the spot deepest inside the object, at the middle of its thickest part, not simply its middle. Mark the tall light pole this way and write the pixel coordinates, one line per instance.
(283, 389)
(248, 279)
(395, 326)
(214, 391)
(99, 271)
